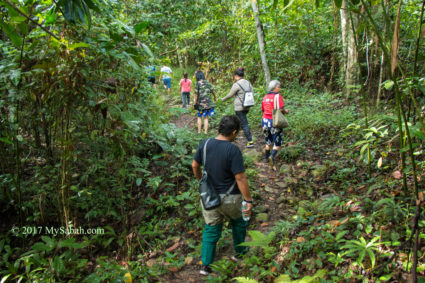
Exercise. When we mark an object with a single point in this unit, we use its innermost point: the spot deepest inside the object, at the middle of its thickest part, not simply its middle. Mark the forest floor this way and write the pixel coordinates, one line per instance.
(271, 193)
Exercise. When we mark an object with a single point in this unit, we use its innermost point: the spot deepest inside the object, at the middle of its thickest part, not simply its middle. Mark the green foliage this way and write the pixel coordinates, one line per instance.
(84, 136)
(291, 153)
(369, 144)
(262, 241)
(49, 260)
(361, 248)
(321, 125)
(307, 279)
(244, 280)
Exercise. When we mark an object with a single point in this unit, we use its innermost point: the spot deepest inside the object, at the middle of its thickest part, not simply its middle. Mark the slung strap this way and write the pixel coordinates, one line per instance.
(243, 91)
(231, 188)
(276, 102)
(250, 86)
(205, 153)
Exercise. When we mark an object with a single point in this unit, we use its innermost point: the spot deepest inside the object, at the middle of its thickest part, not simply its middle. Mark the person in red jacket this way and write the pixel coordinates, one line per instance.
(271, 134)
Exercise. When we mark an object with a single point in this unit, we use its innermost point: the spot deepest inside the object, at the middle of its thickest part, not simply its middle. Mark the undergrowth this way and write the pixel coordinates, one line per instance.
(135, 182)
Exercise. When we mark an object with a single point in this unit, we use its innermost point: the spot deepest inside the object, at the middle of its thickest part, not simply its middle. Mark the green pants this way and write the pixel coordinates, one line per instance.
(231, 206)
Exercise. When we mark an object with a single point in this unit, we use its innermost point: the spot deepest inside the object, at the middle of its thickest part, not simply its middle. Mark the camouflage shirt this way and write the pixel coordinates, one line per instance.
(204, 90)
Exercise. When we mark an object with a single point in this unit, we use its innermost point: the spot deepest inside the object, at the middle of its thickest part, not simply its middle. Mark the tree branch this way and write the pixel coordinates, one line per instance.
(34, 22)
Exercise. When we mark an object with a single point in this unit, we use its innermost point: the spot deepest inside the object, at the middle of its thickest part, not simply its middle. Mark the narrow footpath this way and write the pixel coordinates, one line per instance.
(271, 193)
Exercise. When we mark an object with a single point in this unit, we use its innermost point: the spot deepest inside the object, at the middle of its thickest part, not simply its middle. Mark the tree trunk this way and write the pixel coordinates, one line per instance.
(334, 46)
(261, 42)
(179, 58)
(395, 45)
(349, 49)
(382, 74)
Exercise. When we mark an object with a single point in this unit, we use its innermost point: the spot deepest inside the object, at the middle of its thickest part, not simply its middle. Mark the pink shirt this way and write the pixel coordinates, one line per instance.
(185, 84)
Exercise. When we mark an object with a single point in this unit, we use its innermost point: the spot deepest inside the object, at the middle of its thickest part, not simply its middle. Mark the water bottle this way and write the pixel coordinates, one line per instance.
(245, 215)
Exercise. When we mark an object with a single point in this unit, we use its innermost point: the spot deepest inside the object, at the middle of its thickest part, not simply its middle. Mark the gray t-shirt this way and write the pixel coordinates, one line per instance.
(238, 93)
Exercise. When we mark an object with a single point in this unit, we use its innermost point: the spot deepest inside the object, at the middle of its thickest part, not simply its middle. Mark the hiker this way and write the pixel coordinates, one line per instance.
(225, 168)
(166, 79)
(185, 88)
(237, 91)
(151, 78)
(203, 100)
(271, 134)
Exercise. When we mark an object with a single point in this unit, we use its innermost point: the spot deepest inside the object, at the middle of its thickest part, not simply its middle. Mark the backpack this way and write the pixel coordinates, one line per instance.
(248, 96)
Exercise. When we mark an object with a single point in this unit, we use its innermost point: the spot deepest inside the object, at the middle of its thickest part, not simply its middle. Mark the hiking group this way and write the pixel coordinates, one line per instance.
(222, 161)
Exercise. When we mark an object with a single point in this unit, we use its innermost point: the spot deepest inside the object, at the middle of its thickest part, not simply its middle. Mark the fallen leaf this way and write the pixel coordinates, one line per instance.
(380, 162)
(334, 223)
(173, 247)
(188, 260)
(173, 269)
(150, 263)
(300, 239)
(397, 175)
(355, 208)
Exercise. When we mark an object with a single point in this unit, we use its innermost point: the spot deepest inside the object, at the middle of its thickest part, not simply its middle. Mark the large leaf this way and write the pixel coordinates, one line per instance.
(78, 45)
(15, 76)
(58, 264)
(141, 26)
(11, 32)
(93, 5)
(70, 243)
(76, 11)
(147, 50)
(127, 29)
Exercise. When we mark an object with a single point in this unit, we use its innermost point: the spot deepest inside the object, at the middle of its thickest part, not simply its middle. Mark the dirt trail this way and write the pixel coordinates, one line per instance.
(265, 192)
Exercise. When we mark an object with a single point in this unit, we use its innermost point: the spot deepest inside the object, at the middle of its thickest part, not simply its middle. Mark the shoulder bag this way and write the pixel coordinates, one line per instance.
(209, 196)
(279, 120)
(248, 96)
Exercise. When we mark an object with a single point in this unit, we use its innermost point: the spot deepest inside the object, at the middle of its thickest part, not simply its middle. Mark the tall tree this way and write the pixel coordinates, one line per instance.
(349, 47)
(261, 41)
